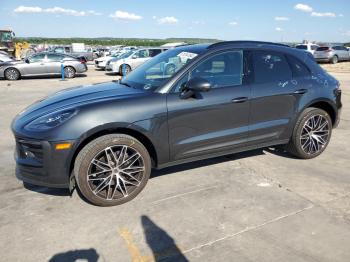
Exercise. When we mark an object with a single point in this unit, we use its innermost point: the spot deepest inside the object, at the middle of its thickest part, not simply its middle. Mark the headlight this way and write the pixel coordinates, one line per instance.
(51, 120)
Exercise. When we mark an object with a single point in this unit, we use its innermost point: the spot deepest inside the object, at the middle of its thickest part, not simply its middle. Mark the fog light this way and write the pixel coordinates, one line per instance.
(29, 154)
(63, 146)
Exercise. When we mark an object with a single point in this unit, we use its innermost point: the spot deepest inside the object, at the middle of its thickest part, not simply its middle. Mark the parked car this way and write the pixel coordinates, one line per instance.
(88, 55)
(309, 47)
(43, 64)
(332, 54)
(224, 98)
(101, 62)
(4, 57)
(133, 59)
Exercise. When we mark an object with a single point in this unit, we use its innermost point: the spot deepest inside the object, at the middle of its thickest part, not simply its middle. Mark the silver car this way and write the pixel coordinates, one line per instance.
(332, 54)
(43, 64)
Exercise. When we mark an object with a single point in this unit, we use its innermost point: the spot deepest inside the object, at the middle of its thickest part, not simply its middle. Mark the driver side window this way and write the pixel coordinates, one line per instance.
(220, 70)
(37, 58)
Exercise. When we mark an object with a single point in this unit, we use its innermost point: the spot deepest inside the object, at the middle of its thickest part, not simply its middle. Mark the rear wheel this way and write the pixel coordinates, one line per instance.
(311, 134)
(12, 74)
(334, 59)
(112, 169)
(69, 72)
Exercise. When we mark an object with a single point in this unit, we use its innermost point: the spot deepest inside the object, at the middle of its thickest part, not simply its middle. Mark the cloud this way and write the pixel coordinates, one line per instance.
(122, 15)
(303, 8)
(341, 15)
(199, 22)
(28, 9)
(233, 23)
(281, 18)
(154, 17)
(169, 20)
(278, 29)
(53, 10)
(327, 14)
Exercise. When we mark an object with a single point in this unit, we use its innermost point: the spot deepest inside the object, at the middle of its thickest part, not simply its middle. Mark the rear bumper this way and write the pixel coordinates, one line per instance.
(39, 163)
(323, 59)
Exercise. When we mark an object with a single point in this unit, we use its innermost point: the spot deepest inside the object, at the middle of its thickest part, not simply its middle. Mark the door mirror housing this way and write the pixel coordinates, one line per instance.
(195, 85)
(27, 60)
(134, 57)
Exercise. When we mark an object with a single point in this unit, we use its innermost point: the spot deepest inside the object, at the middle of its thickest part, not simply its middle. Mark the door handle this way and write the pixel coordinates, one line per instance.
(239, 99)
(300, 91)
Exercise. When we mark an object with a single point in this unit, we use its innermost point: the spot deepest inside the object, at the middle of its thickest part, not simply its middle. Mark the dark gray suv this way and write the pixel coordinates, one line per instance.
(186, 104)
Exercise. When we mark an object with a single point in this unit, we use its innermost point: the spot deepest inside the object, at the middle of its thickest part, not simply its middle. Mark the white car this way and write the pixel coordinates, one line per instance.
(129, 61)
(101, 62)
(308, 47)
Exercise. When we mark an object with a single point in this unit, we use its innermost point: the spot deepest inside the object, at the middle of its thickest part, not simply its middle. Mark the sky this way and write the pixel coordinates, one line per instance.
(268, 20)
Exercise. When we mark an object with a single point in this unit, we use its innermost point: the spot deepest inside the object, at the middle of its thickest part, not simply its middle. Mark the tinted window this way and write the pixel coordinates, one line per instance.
(55, 57)
(154, 52)
(36, 58)
(299, 69)
(303, 47)
(270, 67)
(322, 48)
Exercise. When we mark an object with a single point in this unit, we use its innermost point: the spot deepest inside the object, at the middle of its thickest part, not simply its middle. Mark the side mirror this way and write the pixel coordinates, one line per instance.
(27, 61)
(134, 57)
(194, 85)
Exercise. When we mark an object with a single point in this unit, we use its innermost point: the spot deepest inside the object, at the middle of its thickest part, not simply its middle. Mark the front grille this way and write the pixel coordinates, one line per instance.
(28, 149)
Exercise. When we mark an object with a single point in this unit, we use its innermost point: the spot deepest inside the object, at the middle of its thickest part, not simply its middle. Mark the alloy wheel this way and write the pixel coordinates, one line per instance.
(315, 134)
(11, 74)
(115, 172)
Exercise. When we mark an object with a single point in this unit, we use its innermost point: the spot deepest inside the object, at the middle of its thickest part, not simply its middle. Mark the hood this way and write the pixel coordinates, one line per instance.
(80, 95)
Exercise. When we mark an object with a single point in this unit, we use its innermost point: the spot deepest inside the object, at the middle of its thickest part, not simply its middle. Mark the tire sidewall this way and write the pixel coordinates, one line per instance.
(69, 68)
(89, 152)
(296, 137)
(11, 68)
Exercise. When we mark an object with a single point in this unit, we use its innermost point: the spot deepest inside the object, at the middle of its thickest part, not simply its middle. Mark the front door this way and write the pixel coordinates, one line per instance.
(36, 65)
(215, 121)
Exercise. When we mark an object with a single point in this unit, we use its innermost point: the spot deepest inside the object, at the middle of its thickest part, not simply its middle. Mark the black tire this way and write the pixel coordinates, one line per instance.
(294, 146)
(69, 72)
(83, 165)
(12, 74)
(334, 59)
(127, 70)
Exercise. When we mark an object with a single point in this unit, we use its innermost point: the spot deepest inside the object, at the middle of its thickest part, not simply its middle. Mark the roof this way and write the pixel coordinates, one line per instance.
(250, 43)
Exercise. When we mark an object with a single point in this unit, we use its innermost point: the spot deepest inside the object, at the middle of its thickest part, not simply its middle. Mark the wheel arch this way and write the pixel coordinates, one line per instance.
(325, 105)
(12, 67)
(147, 143)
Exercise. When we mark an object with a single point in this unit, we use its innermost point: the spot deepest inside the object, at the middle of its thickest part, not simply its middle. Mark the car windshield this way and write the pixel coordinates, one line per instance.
(304, 47)
(5, 36)
(157, 71)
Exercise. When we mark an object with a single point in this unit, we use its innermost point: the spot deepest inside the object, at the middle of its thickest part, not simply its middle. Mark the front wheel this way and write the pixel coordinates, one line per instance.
(112, 169)
(12, 74)
(311, 134)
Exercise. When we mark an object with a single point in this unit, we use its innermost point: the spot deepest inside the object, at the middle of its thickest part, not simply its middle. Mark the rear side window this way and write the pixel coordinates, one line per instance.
(154, 52)
(299, 69)
(303, 47)
(270, 67)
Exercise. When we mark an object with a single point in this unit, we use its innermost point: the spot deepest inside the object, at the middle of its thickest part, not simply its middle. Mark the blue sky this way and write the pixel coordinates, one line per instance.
(269, 20)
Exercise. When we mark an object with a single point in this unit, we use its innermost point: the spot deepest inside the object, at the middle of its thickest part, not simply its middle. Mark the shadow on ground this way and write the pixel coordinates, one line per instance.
(88, 255)
(163, 246)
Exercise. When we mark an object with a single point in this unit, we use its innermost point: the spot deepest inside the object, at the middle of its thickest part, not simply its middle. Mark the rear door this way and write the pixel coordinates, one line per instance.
(214, 121)
(53, 63)
(274, 97)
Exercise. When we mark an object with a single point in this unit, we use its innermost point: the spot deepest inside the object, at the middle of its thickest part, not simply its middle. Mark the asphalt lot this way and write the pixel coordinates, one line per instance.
(260, 205)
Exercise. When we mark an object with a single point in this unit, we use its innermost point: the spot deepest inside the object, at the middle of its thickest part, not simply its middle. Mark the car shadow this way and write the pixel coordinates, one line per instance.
(163, 246)
(46, 190)
(206, 162)
(89, 255)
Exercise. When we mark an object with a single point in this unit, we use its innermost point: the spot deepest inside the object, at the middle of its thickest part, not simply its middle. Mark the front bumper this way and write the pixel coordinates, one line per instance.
(39, 163)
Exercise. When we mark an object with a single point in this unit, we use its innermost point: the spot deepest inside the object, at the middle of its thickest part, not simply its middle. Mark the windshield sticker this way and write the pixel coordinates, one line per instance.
(184, 56)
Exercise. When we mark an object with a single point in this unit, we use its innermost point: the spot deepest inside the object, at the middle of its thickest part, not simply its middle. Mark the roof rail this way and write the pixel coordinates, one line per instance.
(223, 43)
